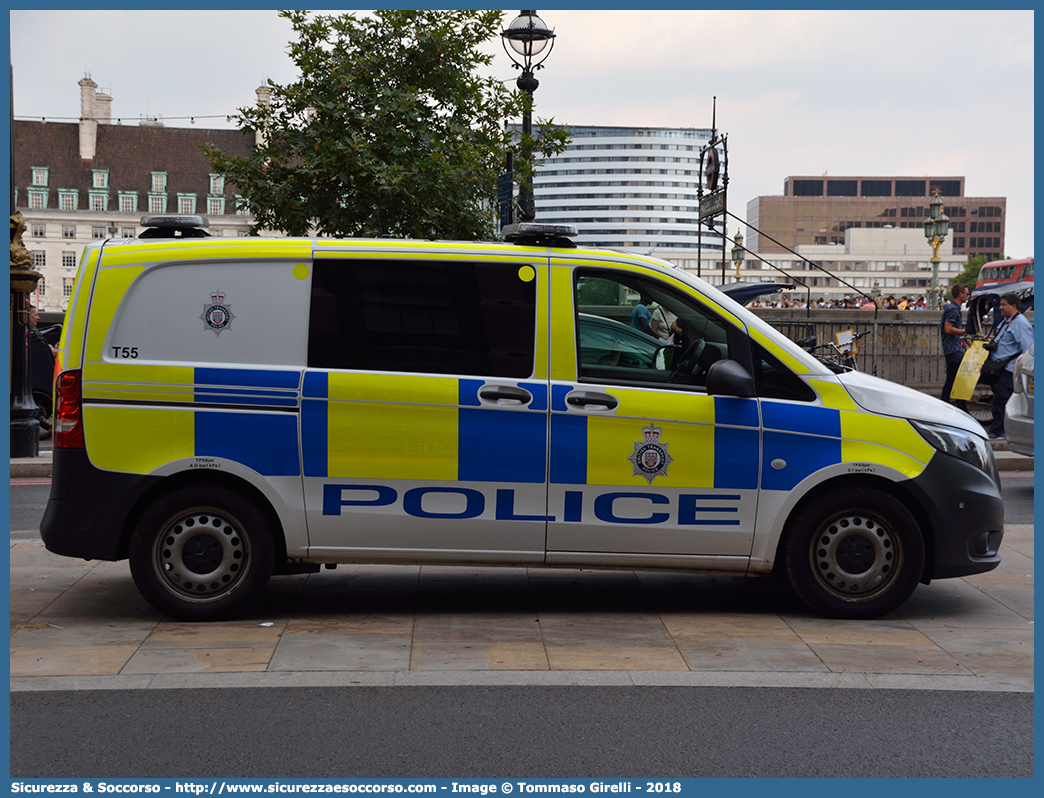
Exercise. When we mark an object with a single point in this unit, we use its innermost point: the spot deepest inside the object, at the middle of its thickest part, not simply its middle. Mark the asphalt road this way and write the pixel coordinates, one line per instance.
(1017, 490)
(497, 732)
(28, 500)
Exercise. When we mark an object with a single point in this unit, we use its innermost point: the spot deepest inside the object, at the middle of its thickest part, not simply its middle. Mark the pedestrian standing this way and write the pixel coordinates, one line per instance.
(1012, 339)
(641, 316)
(951, 330)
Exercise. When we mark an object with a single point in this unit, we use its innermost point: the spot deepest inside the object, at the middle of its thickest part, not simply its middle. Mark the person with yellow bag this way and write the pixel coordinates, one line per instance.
(952, 329)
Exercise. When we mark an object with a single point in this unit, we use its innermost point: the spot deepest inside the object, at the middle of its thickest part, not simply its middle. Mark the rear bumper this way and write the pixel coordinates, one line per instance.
(89, 509)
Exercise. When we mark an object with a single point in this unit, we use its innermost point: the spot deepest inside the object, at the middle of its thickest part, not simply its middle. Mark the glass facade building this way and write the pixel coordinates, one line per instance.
(632, 188)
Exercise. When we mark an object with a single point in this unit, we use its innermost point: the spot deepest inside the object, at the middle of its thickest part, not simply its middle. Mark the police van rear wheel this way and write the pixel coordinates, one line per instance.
(857, 553)
(202, 553)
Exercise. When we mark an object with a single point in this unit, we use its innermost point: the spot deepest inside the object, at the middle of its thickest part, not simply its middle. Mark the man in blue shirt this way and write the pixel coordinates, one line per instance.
(1013, 337)
(952, 330)
(641, 317)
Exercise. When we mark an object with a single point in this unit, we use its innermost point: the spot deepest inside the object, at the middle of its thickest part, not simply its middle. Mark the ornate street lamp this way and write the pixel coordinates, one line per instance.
(737, 253)
(25, 429)
(525, 41)
(936, 226)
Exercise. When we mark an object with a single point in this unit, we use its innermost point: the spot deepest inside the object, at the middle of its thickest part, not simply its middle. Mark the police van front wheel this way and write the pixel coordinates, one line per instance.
(855, 553)
(202, 553)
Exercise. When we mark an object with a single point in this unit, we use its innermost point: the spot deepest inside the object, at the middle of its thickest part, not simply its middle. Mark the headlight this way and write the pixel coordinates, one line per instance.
(967, 446)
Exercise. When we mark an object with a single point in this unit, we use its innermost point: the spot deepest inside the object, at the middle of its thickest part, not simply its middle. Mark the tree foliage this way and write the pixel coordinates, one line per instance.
(389, 129)
(971, 270)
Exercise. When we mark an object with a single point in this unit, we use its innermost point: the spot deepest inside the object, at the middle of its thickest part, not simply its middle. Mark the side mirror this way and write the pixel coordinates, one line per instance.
(729, 378)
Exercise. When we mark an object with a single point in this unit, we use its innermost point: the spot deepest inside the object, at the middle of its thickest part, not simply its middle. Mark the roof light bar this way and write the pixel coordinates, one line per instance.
(171, 220)
(540, 234)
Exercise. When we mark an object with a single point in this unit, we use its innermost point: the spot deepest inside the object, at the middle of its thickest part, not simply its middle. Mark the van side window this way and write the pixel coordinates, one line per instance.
(432, 317)
(773, 380)
(209, 312)
(634, 330)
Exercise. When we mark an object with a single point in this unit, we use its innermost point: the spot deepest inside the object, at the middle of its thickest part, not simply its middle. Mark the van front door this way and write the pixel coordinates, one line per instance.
(645, 465)
(424, 417)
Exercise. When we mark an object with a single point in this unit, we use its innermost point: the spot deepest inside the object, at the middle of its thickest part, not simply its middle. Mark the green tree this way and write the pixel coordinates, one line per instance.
(389, 130)
(598, 291)
(971, 270)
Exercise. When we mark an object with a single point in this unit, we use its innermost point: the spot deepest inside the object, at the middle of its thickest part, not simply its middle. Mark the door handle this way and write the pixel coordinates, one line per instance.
(585, 398)
(505, 394)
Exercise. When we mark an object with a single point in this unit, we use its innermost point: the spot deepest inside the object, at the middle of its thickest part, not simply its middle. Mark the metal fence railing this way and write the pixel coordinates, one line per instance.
(904, 347)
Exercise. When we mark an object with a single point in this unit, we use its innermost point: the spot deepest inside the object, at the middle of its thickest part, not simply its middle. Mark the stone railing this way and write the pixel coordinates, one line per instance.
(905, 345)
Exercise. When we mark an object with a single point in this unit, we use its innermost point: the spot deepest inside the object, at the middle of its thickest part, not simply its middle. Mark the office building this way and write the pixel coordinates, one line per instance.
(874, 261)
(819, 210)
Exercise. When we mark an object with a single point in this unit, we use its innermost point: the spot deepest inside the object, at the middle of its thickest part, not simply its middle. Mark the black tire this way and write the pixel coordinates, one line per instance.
(202, 553)
(854, 553)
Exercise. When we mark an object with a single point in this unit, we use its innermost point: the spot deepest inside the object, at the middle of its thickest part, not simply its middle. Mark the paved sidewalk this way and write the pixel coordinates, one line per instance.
(83, 625)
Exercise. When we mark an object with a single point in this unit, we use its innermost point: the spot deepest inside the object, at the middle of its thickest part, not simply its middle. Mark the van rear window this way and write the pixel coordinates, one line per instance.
(432, 317)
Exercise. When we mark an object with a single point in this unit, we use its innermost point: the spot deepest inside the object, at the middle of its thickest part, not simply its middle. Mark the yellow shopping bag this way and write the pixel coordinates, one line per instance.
(968, 374)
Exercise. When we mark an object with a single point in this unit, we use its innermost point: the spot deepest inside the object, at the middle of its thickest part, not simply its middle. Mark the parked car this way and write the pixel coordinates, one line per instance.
(386, 400)
(610, 342)
(1018, 413)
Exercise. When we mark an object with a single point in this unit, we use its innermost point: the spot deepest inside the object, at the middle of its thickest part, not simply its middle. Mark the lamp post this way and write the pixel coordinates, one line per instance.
(936, 226)
(25, 429)
(737, 253)
(526, 38)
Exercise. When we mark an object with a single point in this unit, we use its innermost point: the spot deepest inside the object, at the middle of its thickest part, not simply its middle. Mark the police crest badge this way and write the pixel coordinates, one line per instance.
(650, 457)
(217, 314)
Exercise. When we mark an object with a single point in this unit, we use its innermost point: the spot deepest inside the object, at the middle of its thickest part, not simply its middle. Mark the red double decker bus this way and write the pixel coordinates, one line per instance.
(998, 272)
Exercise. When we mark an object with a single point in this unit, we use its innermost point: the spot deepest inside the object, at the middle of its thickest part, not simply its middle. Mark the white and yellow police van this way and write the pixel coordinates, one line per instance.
(230, 409)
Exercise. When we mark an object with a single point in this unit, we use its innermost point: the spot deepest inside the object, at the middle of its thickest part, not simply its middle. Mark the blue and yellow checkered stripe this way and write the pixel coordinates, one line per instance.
(588, 449)
(721, 443)
(138, 417)
(388, 426)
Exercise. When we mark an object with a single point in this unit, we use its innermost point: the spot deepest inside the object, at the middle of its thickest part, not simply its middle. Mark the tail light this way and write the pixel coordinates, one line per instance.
(68, 411)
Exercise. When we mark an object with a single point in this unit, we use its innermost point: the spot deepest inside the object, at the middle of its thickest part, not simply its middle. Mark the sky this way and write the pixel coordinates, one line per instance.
(798, 92)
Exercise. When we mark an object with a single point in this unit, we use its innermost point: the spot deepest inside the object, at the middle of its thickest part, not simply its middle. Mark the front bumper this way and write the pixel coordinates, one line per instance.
(964, 513)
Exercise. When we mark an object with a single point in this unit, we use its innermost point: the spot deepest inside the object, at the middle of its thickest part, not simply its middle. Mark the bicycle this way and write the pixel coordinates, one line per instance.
(842, 350)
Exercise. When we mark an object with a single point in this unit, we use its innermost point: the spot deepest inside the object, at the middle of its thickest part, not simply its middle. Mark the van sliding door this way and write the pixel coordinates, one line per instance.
(424, 417)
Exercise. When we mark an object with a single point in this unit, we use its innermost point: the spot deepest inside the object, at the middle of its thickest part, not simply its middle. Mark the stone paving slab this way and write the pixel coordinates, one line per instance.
(83, 625)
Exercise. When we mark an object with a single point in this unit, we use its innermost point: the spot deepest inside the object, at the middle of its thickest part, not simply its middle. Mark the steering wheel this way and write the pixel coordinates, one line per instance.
(688, 361)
